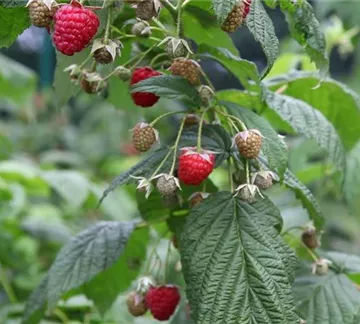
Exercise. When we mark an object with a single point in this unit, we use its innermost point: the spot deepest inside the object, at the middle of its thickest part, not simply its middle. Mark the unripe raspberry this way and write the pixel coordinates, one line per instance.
(75, 26)
(310, 238)
(321, 267)
(136, 304)
(206, 95)
(141, 29)
(177, 48)
(123, 73)
(41, 13)
(248, 192)
(196, 198)
(191, 120)
(249, 143)
(105, 51)
(92, 82)
(263, 179)
(237, 16)
(186, 68)
(144, 99)
(144, 137)
(147, 9)
(167, 184)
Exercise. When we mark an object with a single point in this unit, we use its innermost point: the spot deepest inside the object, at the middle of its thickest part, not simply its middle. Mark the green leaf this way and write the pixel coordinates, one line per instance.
(14, 76)
(309, 122)
(306, 197)
(152, 209)
(346, 263)
(201, 26)
(244, 70)
(236, 267)
(64, 87)
(85, 256)
(13, 22)
(223, 8)
(35, 306)
(171, 87)
(330, 299)
(306, 30)
(337, 102)
(273, 147)
(107, 285)
(352, 179)
(70, 185)
(214, 138)
(262, 28)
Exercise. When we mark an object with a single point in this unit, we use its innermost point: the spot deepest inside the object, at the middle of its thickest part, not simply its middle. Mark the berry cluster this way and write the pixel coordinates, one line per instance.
(162, 301)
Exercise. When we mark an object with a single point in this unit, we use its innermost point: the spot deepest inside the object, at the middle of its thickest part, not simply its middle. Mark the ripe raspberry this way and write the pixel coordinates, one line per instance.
(195, 167)
(196, 198)
(162, 301)
(237, 16)
(187, 69)
(144, 99)
(75, 26)
(40, 14)
(309, 238)
(136, 304)
(144, 136)
(249, 143)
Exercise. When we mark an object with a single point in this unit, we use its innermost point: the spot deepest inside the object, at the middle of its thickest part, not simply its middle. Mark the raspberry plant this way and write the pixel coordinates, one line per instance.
(239, 266)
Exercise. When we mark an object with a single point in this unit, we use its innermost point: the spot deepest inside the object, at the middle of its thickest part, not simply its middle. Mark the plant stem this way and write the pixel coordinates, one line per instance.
(179, 26)
(7, 286)
(157, 57)
(142, 56)
(185, 3)
(166, 115)
(176, 145)
(169, 7)
(167, 260)
(230, 175)
(85, 61)
(208, 81)
(108, 24)
(200, 131)
(61, 315)
(247, 170)
(162, 163)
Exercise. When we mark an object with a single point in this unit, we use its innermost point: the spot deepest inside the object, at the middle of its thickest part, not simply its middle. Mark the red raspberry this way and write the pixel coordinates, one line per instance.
(144, 99)
(195, 167)
(162, 301)
(75, 26)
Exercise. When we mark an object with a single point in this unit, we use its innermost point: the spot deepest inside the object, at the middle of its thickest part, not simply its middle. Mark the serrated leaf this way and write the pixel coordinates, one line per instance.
(223, 8)
(306, 197)
(14, 3)
(330, 299)
(107, 285)
(309, 122)
(337, 102)
(201, 26)
(305, 28)
(214, 138)
(262, 28)
(35, 305)
(171, 87)
(244, 70)
(273, 148)
(352, 179)
(13, 22)
(64, 87)
(346, 263)
(89, 253)
(236, 266)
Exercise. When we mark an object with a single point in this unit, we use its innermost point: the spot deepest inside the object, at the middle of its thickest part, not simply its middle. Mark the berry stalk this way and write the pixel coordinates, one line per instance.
(175, 147)
(200, 131)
